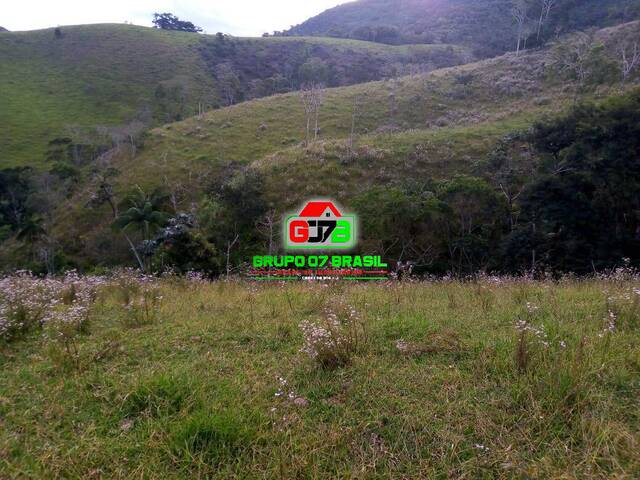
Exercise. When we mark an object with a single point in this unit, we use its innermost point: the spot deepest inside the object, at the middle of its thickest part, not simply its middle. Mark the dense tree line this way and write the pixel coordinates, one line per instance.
(248, 69)
(574, 208)
(490, 27)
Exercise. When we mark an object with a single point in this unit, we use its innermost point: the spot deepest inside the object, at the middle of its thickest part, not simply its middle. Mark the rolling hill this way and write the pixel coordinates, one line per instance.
(80, 100)
(68, 81)
(486, 26)
(426, 126)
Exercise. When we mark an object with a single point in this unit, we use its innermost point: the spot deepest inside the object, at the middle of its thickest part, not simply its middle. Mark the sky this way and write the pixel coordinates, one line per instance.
(235, 17)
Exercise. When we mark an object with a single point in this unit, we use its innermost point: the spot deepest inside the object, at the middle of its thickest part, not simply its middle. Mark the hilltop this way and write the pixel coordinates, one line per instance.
(69, 81)
(486, 26)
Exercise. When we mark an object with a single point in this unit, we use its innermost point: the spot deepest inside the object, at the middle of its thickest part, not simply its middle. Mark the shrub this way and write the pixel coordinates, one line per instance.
(332, 341)
(28, 302)
(140, 296)
(24, 302)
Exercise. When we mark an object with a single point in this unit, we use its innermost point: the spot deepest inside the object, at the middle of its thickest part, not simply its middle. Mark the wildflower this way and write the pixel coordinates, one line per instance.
(402, 345)
(539, 332)
(611, 325)
(284, 390)
(332, 340)
(195, 277)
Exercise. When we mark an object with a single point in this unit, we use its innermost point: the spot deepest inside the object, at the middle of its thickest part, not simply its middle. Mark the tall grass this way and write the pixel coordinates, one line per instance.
(494, 378)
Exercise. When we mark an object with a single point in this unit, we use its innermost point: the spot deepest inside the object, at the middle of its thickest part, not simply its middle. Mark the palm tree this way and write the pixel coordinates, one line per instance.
(31, 230)
(144, 215)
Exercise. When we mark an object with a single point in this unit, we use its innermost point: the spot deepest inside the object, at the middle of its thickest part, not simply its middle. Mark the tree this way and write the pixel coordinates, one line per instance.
(103, 190)
(145, 216)
(15, 187)
(228, 83)
(32, 230)
(519, 14)
(629, 60)
(311, 96)
(168, 21)
(577, 57)
(473, 215)
(229, 213)
(356, 106)
(267, 226)
(582, 210)
(545, 11)
(314, 71)
(509, 167)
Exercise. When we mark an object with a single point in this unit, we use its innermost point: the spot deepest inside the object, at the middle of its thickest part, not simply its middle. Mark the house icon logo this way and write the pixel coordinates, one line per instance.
(320, 225)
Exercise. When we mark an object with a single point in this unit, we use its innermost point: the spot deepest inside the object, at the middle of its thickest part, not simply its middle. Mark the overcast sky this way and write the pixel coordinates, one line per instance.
(236, 17)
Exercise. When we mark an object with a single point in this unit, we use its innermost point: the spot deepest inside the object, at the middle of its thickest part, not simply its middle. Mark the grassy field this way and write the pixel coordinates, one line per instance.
(495, 378)
(92, 75)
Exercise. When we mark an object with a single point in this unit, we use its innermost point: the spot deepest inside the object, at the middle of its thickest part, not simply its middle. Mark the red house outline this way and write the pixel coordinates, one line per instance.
(316, 209)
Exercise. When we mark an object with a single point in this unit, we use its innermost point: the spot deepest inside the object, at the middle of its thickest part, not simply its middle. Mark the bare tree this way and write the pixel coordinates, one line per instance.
(267, 226)
(545, 11)
(355, 112)
(305, 96)
(575, 57)
(629, 60)
(177, 192)
(228, 83)
(230, 245)
(393, 99)
(317, 101)
(311, 96)
(103, 192)
(519, 13)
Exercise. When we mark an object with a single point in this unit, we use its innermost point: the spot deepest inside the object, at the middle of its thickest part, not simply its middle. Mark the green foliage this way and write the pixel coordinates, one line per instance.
(189, 251)
(168, 21)
(484, 25)
(313, 71)
(450, 226)
(229, 214)
(584, 203)
(15, 186)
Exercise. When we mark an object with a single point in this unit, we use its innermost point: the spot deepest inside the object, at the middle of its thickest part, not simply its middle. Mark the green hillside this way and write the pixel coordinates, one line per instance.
(227, 168)
(66, 82)
(487, 26)
(90, 76)
(431, 126)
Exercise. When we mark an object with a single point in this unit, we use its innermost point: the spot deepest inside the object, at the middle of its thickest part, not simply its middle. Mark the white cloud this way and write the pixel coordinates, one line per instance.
(237, 17)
